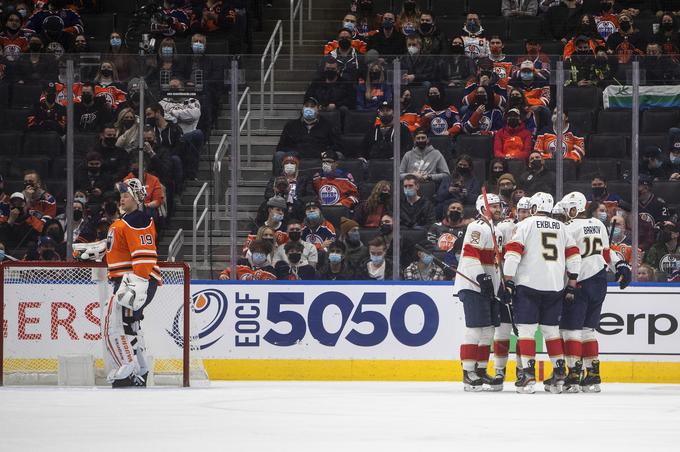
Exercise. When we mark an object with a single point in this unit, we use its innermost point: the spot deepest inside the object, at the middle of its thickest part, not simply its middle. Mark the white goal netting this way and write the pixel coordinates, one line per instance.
(52, 311)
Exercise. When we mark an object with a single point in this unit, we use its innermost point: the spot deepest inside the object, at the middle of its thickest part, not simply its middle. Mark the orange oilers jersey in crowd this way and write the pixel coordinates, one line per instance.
(504, 72)
(410, 120)
(245, 273)
(359, 45)
(573, 147)
(131, 247)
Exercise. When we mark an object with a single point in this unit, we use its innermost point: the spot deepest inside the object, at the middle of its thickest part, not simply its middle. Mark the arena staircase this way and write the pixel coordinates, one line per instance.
(289, 90)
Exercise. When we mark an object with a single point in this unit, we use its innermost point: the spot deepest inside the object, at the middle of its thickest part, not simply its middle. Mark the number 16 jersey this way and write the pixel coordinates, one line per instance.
(131, 247)
(592, 238)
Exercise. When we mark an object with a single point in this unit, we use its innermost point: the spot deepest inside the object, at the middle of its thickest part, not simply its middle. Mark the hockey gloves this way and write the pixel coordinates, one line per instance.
(506, 296)
(623, 274)
(485, 285)
(569, 293)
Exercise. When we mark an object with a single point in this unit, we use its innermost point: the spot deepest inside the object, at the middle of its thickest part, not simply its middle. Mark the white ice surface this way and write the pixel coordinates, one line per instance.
(334, 416)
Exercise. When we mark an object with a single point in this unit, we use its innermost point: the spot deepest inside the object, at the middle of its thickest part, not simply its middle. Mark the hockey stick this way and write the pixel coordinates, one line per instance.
(453, 269)
(488, 219)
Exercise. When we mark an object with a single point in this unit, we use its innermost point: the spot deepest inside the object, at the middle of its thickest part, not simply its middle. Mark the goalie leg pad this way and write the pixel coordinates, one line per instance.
(117, 343)
(134, 332)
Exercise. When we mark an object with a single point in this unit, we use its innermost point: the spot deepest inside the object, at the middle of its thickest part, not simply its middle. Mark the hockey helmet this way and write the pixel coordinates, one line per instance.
(558, 208)
(524, 203)
(543, 202)
(574, 200)
(492, 199)
(133, 186)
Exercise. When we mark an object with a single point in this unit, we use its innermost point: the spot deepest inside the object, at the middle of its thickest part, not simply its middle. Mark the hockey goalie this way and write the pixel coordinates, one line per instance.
(131, 258)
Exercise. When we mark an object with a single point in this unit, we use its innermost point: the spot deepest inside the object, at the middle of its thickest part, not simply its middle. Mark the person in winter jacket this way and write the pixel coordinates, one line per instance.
(424, 161)
(513, 141)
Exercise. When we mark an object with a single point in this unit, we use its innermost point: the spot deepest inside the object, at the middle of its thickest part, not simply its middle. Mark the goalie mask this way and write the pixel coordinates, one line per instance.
(134, 187)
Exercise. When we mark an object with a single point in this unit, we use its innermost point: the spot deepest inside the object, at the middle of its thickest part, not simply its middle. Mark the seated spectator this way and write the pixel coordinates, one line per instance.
(627, 41)
(167, 63)
(416, 211)
(665, 246)
(447, 235)
(81, 226)
(377, 267)
(409, 17)
(501, 62)
(424, 161)
(276, 216)
(537, 178)
(379, 141)
(648, 202)
(573, 146)
(155, 196)
(607, 22)
(367, 20)
(674, 154)
(374, 90)
(419, 69)
(349, 59)
(514, 8)
(297, 185)
(532, 52)
(348, 37)
(388, 41)
(115, 160)
(91, 177)
(386, 232)
(19, 227)
(13, 39)
(91, 113)
(164, 164)
(307, 136)
(44, 250)
(107, 75)
(582, 66)
(70, 20)
(598, 210)
(534, 85)
(482, 117)
(269, 235)
(585, 31)
(409, 115)
(653, 164)
(318, 231)
(355, 250)
(310, 255)
(659, 69)
(291, 268)
(369, 212)
(434, 41)
(206, 17)
(476, 45)
(456, 67)
(257, 267)
(506, 187)
(47, 114)
(424, 269)
(36, 66)
(127, 125)
(121, 56)
(513, 141)
(468, 186)
(337, 268)
(334, 186)
(41, 205)
(517, 100)
(437, 117)
(667, 37)
(330, 90)
(645, 273)
(497, 167)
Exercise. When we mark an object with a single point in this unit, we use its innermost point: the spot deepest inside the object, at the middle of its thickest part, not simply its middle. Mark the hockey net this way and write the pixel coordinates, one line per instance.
(52, 310)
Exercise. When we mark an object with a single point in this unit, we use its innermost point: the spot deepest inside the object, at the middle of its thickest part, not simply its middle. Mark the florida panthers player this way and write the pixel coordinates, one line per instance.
(535, 263)
(131, 258)
(479, 301)
(581, 316)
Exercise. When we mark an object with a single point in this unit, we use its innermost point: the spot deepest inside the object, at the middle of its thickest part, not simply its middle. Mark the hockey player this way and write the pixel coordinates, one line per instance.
(535, 262)
(131, 258)
(501, 338)
(581, 316)
(479, 303)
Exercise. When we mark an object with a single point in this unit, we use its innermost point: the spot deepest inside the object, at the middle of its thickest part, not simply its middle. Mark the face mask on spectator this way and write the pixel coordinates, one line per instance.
(116, 42)
(597, 191)
(409, 29)
(289, 168)
(77, 215)
(50, 98)
(515, 101)
(109, 141)
(409, 192)
(106, 72)
(353, 237)
(513, 121)
(472, 26)
(526, 75)
(151, 122)
(313, 215)
(374, 75)
(127, 123)
(326, 167)
(667, 26)
(426, 27)
(166, 51)
(536, 164)
(335, 258)
(388, 24)
(309, 113)
(625, 25)
(198, 47)
(506, 192)
(348, 25)
(55, 234)
(294, 236)
(464, 170)
(413, 50)
(277, 217)
(602, 216)
(427, 259)
(675, 159)
(330, 74)
(80, 199)
(386, 120)
(455, 216)
(22, 12)
(259, 258)
(385, 229)
(87, 97)
(481, 100)
(345, 43)
(35, 46)
(605, 6)
(617, 234)
(377, 260)
(457, 49)
(294, 258)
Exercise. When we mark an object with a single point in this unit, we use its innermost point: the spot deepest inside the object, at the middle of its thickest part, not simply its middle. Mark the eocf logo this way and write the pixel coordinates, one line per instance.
(209, 308)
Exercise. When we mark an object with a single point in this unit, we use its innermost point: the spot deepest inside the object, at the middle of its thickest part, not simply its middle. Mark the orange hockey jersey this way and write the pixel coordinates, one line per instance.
(573, 147)
(131, 247)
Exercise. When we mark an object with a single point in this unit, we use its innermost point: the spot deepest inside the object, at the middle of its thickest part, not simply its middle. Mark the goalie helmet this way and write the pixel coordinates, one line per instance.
(542, 202)
(574, 200)
(524, 203)
(493, 199)
(133, 186)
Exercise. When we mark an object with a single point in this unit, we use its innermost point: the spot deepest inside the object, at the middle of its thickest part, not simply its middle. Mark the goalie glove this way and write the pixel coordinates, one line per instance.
(132, 291)
(623, 274)
(89, 251)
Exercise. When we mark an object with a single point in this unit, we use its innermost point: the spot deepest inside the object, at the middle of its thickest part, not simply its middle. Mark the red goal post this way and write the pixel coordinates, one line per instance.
(53, 309)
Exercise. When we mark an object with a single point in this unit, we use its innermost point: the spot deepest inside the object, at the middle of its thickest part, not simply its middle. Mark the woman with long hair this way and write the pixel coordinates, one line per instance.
(373, 89)
(127, 124)
(107, 74)
(369, 212)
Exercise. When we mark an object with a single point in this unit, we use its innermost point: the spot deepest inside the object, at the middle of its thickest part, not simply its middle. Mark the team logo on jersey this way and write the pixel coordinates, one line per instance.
(438, 125)
(605, 28)
(12, 52)
(553, 146)
(500, 70)
(329, 195)
(484, 123)
(209, 310)
(669, 263)
(475, 236)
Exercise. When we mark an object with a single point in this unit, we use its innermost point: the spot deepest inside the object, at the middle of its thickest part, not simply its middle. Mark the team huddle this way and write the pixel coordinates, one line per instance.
(547, 269)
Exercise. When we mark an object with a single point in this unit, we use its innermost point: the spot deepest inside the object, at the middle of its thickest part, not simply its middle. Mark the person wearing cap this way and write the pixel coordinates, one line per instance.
(534, 84)
(674, 154)
(47, 114)
(310, 255)
(424, 161)
(653, 164)
(666, 244)
(536, 178)
(306, 136)
(573, 146)
(506, 187)
(337, 267)
(378, 142)
(513, 141)
(276, 215)
(318, 231)
(292, 189)
(648, 202)
(334, 186)
(355, 251)
(17, 229)
(424, 268)
(330, 90)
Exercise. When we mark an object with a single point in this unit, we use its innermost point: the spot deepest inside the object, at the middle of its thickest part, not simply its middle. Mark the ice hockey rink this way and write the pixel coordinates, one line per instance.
(337, 416)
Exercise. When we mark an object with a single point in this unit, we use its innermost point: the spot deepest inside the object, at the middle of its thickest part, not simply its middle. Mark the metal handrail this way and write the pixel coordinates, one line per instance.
(245, 124)
(273, 52)
(217, 175)
(176, 245)
(296, 11)
(198, 221)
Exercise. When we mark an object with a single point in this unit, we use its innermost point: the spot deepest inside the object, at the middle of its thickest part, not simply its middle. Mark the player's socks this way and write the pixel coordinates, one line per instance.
(501, 349)
(573, 347)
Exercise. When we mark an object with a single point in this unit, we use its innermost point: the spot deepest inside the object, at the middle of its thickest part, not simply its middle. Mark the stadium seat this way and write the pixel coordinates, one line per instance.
(368, 234)
(379, 170)
(98, 25)
(659, 139)
(469, 211)
(359, 122)
(525, 27)
(11, 142)
(442, 143)
(14, 119)
(577, 185)
(581, 98)
(517, 167)
(452, 8)
(553, 49)
(621, 188)
(59, 168)
(42, 143)
(485, 8)
(569, 168)
(352, 145)
(454, 95)
(413, 236)
(668, 190)
(418, 97)
(355, 168)
(609, 168)
(493, 25)
(4, 96)
(659, 121)
(476, 146)
(427, 190)
(614, 121)
(333, 117)
(19, 164)
(365, 190)
(25, 95)
(478, 169)
(606, 146)
(581, 121)
(57, 188)
(84, 142)
(306, 164)
(334, 213)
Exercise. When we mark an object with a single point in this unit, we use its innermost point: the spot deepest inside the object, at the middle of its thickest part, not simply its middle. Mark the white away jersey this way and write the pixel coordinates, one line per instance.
(504, 231)
(477, 257)
(539, 253)
(591, 237)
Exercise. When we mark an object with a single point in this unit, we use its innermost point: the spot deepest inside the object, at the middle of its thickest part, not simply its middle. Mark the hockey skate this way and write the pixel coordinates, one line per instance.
(526, 382)
(571, 383)
(133, 381)
(591, 382)
(492, 383)
(555, 384)
(471, 381)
